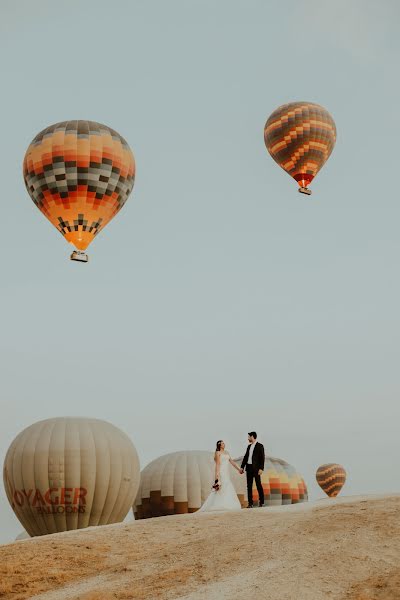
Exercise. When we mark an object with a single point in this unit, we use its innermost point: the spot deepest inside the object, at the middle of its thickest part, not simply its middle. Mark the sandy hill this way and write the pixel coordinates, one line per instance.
(348, 548)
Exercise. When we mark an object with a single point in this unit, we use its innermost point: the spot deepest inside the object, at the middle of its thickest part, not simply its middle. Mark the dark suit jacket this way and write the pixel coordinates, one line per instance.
(258, 457)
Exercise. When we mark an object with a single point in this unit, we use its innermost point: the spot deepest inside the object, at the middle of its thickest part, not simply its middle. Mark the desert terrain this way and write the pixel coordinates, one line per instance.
(329, 549)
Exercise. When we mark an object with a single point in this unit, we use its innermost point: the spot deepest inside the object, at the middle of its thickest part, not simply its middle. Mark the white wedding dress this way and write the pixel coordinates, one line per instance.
(225, 498)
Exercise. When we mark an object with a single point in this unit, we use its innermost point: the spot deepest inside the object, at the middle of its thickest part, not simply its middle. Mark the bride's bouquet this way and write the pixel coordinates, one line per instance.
(216, 485)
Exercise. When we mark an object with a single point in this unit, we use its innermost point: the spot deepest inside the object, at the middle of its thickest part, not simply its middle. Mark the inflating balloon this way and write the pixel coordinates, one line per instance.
(281, 482)
(70, 473)
(175, 483)
(300, 137)
(79, 174)
(331, 478)
(180, 482)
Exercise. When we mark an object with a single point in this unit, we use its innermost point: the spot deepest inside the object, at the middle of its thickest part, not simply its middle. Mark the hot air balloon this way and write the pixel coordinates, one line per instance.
(300, 137)
(180, 482)
(175, 483)
(281, 483)
(331, 478)
(70, 473)
(79, 174)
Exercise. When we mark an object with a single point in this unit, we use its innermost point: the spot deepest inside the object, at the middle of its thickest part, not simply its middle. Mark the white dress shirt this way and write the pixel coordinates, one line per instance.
(250, 459)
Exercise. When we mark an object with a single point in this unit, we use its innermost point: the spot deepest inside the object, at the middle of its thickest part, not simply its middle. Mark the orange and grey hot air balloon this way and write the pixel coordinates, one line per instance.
(331, 478)
(79, 174)
(70, 473)
(300, 137)
(281, 482)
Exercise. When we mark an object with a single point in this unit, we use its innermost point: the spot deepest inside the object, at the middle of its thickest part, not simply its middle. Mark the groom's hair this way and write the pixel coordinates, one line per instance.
(252, 434)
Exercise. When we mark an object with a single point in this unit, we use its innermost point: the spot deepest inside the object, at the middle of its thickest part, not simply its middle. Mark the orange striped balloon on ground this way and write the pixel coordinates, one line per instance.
(300, 137)
(331, 478)
(281, 482)
(79, 174)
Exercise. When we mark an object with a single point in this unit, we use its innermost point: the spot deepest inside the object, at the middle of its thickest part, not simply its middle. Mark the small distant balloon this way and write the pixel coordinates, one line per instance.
(79, 174)
(300, 137)
(331, 478)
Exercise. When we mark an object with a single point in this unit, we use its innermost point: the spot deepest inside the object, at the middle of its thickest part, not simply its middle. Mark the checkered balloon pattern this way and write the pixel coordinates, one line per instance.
(281, 482)
(331, 478)
(79, 174)
(300, 137)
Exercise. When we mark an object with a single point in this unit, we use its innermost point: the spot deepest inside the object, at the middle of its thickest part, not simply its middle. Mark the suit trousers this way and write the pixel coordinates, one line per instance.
(252, 475)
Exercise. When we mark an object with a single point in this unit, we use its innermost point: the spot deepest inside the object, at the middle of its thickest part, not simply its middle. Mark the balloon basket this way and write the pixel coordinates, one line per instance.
(305, 190)
(79, 256)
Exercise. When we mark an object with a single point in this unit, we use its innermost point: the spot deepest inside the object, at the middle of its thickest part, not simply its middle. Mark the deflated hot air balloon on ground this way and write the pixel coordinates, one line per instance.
(70, 473)
(281, 483)
(300, 137)
(180, 482)
(79, 174)
(331, 478)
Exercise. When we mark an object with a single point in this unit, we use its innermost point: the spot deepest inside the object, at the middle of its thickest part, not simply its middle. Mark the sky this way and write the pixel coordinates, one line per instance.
(219, 300)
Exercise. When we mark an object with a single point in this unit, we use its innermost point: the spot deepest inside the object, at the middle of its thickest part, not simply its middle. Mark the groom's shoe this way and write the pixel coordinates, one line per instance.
(261, 506)
(249, 506)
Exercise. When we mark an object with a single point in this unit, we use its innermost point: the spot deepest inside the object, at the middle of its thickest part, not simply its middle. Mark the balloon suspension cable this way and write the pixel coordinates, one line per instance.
(305, 190)
(79, 256)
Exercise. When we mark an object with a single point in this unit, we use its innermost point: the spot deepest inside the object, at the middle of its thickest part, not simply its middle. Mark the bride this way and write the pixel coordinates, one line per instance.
(223, 495)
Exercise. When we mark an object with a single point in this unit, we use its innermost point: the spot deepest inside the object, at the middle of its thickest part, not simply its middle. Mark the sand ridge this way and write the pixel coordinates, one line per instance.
(348, 548)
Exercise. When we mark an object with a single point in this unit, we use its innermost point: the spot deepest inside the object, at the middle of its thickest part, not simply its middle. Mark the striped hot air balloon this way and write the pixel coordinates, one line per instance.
(281, 482)
(300, 137)
(70, 473)
(79, 174)
(180, 482)
(331, 478)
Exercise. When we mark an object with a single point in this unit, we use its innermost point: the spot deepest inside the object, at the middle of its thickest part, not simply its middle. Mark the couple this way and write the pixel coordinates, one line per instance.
(223, 495)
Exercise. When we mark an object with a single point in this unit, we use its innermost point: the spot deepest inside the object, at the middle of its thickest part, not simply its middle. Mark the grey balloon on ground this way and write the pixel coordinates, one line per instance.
(70, 473)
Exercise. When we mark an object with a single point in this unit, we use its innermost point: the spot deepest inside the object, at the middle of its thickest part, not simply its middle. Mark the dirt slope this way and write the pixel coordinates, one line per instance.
(346, 549)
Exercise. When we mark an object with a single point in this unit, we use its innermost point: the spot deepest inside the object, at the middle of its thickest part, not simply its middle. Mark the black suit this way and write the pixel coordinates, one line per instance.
(257, 463)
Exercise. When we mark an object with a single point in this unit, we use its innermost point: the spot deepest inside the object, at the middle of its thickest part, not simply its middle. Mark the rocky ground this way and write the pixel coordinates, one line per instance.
(343, 549)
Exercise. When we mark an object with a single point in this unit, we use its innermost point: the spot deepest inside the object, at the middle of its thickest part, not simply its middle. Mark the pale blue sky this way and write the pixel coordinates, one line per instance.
(220, 300)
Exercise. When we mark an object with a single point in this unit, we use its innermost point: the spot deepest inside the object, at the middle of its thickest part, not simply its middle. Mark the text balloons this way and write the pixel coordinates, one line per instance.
(70, 473)
(300, 137)
(331, 478)
(79, 174)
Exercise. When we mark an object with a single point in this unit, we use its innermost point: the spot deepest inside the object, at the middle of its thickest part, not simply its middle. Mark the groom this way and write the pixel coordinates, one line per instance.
(253, 461)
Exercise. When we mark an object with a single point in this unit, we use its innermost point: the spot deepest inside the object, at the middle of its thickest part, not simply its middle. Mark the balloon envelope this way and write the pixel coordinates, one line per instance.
(79, 174)
(175, 483)
(331, 478)
(300, 137)
(281, 483)
(70, 473)
(180, 482)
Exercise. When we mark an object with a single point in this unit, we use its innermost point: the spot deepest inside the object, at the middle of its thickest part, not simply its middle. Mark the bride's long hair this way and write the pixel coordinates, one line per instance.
(218, 448)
